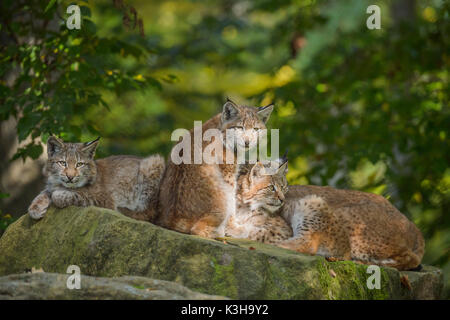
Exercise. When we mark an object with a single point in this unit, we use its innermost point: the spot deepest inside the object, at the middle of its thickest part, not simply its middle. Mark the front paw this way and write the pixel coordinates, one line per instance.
(39, 207)
(62, 198)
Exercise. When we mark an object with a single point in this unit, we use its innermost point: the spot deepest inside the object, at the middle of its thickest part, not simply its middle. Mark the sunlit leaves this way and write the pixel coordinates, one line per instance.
(61, 75)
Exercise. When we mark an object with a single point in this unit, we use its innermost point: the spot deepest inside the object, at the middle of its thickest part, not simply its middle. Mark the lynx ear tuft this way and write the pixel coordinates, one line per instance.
(264, 112)
(230, 111)
(90, 147)
(86, 144)
(284, 158)
(54, 145)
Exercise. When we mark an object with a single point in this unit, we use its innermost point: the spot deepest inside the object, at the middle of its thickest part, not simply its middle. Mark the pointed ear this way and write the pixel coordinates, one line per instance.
(230, 111)
(283, 169)
(264, 112)
(90, 147)
(257, 171)
(54, 145)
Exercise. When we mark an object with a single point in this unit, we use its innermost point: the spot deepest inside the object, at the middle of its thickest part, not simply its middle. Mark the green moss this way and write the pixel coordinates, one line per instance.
(224, 280)
(140, 287)
(350, 281)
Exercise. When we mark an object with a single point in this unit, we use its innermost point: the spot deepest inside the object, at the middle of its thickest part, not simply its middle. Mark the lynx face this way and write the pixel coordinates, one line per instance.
(240, 125)
(71, 164)
(263, 191)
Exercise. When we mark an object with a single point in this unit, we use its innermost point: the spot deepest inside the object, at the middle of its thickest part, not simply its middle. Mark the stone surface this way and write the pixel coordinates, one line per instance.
(48, 286)
(104, 243)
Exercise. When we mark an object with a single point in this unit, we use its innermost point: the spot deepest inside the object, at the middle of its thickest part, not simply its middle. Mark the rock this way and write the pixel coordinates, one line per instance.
(48, 286)
(105, 243)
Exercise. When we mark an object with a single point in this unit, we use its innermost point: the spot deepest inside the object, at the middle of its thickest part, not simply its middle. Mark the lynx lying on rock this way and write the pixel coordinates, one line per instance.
(349, 224)
(341, 224)
(125, 183)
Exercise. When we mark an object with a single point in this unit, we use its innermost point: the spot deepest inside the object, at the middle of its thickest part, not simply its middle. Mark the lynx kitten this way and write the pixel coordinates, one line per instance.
(259, 197)
(125, 183)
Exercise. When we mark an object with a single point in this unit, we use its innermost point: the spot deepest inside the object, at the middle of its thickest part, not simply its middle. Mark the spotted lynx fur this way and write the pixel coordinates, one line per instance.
(349, 224)
(340, 224)
(125, 183)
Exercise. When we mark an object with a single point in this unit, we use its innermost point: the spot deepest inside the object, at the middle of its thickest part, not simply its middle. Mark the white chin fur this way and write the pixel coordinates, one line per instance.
(74, 185)
(70, 185)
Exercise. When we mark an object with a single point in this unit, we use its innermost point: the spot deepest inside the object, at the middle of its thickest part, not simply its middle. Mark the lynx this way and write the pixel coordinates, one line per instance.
(125, 183)
(259, 196)
(199, 198)
(348, 224)
(339, 224)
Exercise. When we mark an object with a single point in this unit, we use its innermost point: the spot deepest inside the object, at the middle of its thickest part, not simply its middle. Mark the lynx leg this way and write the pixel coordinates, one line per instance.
(65, 198)
(405, 260)
(234, 230)
(267, 235)
(208, 227)
(142, 215)
(151, 170)
(39, 205)
(307, 243)
(260, 235)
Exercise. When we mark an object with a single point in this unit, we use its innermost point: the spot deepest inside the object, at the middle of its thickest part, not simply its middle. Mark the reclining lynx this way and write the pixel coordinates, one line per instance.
(199, 198)
(124, 183)
(343, 224)
(349, 224)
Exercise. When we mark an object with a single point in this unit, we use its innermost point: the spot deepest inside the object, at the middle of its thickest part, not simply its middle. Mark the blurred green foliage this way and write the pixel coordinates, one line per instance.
(60, 74)
(358, 108)
(5, 219)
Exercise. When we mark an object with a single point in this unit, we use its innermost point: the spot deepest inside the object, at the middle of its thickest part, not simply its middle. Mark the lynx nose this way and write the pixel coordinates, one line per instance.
(70, 178)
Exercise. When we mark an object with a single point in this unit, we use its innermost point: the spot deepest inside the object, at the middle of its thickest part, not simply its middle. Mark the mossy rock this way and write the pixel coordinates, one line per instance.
(53, 286)
(105, 243)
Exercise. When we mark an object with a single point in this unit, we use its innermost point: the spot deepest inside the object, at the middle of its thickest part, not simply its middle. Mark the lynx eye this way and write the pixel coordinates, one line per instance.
(62, 163)
(80, 164)
(238, 127)
(271, 188)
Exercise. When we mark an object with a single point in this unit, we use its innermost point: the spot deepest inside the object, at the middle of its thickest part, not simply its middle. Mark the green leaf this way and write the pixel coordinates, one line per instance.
(85, 11)
(35, 150)
(4, 195)
(89, 26)
(49, 5)
(27, 124)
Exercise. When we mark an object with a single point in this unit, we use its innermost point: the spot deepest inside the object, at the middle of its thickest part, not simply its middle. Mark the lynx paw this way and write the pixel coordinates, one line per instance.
(38, 207)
